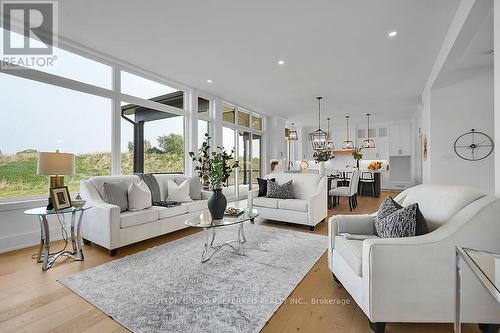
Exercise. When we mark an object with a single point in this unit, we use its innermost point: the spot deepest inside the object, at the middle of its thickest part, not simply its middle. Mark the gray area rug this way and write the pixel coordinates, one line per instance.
(167, 289)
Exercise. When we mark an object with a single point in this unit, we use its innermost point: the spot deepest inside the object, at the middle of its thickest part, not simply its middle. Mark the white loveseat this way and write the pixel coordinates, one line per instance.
(309, 206)
(107, 227)
(412, 279)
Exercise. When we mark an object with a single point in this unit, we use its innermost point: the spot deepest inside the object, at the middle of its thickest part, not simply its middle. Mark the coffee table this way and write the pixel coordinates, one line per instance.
(209, 227)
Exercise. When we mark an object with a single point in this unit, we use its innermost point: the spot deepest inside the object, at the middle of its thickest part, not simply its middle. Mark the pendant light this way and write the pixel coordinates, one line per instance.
(292, 135)
(347, 144)
(368, 143)
(318, 137)
(329, 143)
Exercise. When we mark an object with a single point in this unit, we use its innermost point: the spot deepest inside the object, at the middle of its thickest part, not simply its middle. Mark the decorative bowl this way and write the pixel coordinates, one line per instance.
(78, 203)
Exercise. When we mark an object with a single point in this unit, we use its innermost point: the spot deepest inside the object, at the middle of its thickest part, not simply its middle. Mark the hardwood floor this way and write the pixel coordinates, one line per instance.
(33, 301)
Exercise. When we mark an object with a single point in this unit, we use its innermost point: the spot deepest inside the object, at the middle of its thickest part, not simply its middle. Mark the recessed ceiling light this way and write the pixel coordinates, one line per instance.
(392, 34)
(281, 62)
(209, 81)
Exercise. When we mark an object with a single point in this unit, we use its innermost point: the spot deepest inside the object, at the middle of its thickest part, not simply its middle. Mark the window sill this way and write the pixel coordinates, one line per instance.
(18, 203)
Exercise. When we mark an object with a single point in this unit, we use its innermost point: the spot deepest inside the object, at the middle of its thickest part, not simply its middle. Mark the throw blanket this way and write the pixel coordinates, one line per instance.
(166, 203)
(152, 183)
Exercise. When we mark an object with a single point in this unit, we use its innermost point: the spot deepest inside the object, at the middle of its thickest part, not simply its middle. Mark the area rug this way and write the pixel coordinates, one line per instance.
(167, 289)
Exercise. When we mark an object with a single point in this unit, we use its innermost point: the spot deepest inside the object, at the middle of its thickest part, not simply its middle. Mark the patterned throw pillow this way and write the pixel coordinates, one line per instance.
(393, 220)
(284, 191)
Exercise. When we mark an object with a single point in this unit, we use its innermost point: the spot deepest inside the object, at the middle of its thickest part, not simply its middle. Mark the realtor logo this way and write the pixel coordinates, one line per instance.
(29, 33)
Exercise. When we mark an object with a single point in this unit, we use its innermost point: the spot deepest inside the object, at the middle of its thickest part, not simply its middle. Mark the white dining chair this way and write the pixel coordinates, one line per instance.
(349, 191)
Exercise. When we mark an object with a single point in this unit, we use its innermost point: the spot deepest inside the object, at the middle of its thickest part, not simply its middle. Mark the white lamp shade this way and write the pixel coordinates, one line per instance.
(56, 164)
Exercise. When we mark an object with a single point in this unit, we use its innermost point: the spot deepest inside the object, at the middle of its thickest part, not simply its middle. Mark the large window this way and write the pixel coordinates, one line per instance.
(141, 87)
(228, 136)
(152, 141)
(41, 117)
(203, 128)
(244, 162)
(228, 114)
(256, 157)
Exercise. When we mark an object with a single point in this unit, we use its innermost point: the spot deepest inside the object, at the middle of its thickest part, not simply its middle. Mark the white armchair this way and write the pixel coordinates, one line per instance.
(412, 279)
(309, 206)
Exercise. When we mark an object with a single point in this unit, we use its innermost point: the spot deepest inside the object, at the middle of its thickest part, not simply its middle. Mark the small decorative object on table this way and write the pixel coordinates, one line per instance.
(214, 167)
(60, 197)
(231, 211)
(78, 202)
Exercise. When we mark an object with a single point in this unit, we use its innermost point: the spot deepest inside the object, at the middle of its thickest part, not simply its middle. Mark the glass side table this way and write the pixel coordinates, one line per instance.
(44, 256)
(485, 266)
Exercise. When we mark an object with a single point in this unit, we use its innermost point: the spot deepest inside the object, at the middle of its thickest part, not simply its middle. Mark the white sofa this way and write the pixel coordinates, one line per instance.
(104, 225)
(412, 279)
(309, 206)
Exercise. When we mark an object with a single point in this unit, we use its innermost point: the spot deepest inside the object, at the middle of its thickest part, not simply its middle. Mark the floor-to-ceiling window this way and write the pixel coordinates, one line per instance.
(244, 170)
(228, 143)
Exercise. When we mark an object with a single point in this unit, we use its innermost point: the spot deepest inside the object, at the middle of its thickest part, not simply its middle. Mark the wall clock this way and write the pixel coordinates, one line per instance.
(473, 145)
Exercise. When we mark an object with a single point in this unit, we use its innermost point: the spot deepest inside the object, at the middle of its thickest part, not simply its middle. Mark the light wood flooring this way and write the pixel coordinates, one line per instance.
(33, 301)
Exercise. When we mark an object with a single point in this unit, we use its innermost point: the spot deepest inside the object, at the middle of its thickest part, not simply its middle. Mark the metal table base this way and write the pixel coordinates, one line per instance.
(211, 249)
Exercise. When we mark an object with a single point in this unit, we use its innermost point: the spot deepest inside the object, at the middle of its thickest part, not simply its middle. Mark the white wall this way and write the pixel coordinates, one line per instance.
(496, 60)
(454, 110)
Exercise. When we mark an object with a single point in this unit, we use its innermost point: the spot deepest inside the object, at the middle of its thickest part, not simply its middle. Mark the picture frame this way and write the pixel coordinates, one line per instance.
(60, 197)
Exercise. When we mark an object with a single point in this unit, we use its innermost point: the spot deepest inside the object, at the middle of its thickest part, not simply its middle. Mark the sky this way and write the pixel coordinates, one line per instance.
(39, 116)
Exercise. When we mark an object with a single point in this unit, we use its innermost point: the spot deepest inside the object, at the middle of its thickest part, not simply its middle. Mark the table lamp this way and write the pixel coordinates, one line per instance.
(56, 165)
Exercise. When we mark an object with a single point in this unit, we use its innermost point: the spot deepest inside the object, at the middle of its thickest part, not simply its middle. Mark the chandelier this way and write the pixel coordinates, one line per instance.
(368, 143)
(292, 135)
(347, 144)
(318, 137)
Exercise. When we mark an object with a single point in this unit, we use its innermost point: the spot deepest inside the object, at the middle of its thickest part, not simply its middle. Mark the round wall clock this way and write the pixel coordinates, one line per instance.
(473, 145)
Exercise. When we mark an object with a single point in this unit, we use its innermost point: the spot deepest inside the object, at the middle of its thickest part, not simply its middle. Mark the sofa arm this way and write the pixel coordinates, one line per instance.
(317, 204)
(352, 224)
(101, 223)
(205, 194)
(252, 194)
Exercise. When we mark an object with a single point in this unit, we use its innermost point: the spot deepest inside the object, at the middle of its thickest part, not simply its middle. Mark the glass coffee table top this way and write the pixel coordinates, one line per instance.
(205, 220)
(43, 210)
(486, 265)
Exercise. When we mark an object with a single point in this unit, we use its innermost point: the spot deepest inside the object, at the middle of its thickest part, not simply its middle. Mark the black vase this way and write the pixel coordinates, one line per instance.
(217, 204)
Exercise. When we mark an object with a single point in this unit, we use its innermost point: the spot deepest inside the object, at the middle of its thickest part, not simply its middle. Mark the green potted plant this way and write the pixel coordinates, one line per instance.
(214, 169)
(357, 155)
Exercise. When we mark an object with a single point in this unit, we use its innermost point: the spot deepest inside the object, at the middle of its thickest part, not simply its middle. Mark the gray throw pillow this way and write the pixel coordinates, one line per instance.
(115, 193)
(394, 221)
(284, 191)
(194, 186)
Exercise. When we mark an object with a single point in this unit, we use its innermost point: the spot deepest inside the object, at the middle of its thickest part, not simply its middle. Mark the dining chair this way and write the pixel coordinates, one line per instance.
(349, 191)
(367, 178)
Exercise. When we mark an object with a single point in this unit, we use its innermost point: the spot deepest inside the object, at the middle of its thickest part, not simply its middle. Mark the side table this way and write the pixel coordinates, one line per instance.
(44, 256)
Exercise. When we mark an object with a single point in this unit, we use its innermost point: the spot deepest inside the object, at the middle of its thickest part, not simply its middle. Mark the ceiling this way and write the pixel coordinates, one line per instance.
(336, 49)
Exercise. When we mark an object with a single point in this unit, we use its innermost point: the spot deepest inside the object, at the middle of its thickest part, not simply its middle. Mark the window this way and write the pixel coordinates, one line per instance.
(71, 66)
(243, 118)
(256, 157)
(244, 170)
(51, 119)
(228, 114)
(203, 127)
(257, 122)
(203, 107)
(143, 88)
(228, 144)
(152, 141)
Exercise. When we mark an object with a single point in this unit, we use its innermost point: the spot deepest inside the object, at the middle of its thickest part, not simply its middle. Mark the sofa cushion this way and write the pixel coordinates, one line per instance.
(179, 192)
(115, 193)
(196, 205)
(293, 204)
(438, 203)
(305, 185)
(265, 202)
(99, 181)
(351, 251)
(139, 196)
(171, 211)
(194, 186)
(130, 219)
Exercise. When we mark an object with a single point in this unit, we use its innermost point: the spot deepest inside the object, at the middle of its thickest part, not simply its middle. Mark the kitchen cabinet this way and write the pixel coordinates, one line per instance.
(400, 139)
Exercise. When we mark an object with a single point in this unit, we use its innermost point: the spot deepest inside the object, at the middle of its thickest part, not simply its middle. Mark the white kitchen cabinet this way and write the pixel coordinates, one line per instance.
(400, 139)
